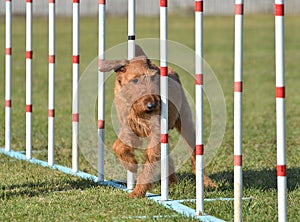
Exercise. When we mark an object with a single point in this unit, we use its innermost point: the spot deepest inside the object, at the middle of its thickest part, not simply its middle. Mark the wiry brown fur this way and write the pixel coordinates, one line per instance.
(137, 86)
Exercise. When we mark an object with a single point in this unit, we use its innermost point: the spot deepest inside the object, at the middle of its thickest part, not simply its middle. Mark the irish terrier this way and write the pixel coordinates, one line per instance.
(138, 105)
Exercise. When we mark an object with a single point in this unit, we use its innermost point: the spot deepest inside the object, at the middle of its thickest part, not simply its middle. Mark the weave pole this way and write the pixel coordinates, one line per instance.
(76, 69)
(28, 79)
(51, 96)
(131, 54)
(199, 107)
(164, 98)
(8, 73)
(101, 88)
(238, 90)
(280, 111)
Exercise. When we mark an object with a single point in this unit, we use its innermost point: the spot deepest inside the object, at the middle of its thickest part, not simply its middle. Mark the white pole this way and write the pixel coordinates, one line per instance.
(51, 96)
(8, 73)
(101, 89)
(75, 108)
(199, 107)
(28, 79)
(280, 111)
(238, 89)
(131, 54)
(164, 97)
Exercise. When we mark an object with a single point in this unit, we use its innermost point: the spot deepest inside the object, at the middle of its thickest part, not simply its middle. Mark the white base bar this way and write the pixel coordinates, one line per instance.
(130, 180)
(282, 199)
(199, 184)
(100, 154)
(7, 129)
(28, 136)
(51, 140)
(238, 194)
(75, 155)
(164, 172)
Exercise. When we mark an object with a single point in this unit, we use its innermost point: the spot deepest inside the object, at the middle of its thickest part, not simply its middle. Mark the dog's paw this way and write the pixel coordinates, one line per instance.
(213, 185)
(136, 194)
(140, 190)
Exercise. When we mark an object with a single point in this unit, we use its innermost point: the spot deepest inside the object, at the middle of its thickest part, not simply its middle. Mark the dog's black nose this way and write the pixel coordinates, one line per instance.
(152, 105)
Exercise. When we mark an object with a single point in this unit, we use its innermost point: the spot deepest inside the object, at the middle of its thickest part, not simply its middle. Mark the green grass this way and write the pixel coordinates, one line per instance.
(31, 192)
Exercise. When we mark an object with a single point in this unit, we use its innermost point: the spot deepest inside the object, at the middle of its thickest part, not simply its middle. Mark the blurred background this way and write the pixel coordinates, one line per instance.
(151, 8)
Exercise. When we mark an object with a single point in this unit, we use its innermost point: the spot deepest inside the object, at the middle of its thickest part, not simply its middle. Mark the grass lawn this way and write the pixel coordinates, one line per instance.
(29, 192)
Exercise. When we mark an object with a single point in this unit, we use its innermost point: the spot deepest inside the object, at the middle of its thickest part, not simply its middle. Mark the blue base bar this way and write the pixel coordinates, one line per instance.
(174, 205)
(212, 199)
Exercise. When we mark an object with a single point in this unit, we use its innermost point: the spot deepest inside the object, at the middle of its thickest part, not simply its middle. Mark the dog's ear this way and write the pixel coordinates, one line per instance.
(109, 65)
(139, 51)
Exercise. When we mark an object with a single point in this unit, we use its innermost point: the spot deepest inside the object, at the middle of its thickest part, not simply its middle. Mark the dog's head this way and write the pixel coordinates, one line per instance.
(144, 95)
(130, 70)
(137, 84)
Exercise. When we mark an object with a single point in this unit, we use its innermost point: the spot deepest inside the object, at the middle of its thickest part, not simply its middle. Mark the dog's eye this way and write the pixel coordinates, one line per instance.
(135, 80)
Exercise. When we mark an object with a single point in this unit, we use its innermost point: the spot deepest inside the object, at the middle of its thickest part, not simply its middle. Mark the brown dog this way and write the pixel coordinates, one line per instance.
(138, 106)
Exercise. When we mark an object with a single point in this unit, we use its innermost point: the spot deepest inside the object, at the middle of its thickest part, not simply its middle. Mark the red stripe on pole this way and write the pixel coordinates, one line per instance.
(8, 0)
(101, 124)
(164, 138)
(29, 108)
(199, 79)
(51, 1)
(29, 1)
(239, 9)
(279, 9)
(7, 103)
(51, 113)
(28, 54)
(238, 160)
(102, 2)
(76, 59)
(200, 149)
(76, 1)
(281, 170)
(163, 71)
(280, 92)
(51, 58)
(8, 51)
(199, 6)
(163, 3)
(75, 117)
(238, 86)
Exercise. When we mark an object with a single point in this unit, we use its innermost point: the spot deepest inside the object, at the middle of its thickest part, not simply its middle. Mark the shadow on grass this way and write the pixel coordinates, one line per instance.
(31, 189)
(264, 179)
(258, 179)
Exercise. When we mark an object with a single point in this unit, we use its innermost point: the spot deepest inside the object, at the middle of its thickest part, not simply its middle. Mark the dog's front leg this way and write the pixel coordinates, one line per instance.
(147, 176)
(126, 155)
